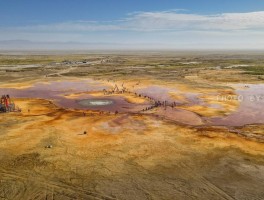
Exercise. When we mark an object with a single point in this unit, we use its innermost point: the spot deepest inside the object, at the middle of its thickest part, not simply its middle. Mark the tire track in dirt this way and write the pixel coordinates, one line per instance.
(212, 187)
(216, 189)
(57, 188)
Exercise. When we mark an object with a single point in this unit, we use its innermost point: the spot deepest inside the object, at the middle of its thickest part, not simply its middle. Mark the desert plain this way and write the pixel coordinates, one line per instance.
(160, 125)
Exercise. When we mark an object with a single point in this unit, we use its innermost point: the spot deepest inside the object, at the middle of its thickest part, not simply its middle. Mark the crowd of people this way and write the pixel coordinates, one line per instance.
(156, 103)
(6, 104)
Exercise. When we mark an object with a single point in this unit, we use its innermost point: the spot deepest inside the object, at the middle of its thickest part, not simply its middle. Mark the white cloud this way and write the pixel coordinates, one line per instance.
(159, 21)
(169, 28)
(178, 21)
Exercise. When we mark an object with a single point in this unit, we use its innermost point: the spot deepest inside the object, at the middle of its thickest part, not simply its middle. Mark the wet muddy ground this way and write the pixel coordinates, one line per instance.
(251, 106)
(250, 98)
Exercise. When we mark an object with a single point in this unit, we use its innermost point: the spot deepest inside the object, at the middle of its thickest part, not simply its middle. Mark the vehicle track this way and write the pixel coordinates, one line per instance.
(57, 188)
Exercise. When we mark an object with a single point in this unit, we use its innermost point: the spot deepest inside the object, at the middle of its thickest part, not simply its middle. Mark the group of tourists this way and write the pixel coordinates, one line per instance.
(156, 103)
(160, 104)
(6, 104)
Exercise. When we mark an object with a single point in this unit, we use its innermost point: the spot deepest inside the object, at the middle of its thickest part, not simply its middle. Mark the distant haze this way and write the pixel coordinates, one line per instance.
(118, 25)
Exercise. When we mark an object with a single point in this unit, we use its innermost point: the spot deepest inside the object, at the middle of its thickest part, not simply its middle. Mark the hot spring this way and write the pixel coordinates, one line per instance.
(95, 102)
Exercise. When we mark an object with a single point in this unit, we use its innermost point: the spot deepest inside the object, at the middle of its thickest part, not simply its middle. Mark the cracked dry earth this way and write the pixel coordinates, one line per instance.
(124, 156)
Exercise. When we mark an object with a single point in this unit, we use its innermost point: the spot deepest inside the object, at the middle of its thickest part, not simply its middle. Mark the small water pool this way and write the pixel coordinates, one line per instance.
(95, 102)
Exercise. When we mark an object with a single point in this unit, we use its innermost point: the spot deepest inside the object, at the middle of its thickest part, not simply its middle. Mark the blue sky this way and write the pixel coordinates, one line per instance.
(165, 24)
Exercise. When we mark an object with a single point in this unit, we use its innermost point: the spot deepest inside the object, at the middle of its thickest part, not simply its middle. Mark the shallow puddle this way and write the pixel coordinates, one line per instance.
(180, 115)
(95, 102)
(157, 92)
(251, 108)
(57, 91)
(250, 111)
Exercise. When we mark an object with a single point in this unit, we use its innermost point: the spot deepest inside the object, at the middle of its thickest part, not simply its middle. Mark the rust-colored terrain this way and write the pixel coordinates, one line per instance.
(161, 126)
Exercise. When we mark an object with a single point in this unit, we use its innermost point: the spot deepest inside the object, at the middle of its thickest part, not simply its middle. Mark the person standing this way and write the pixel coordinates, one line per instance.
(9, 103)
(6, 102)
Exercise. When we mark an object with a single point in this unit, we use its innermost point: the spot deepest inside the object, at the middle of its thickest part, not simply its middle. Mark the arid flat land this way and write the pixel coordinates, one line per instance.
(133, 126)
